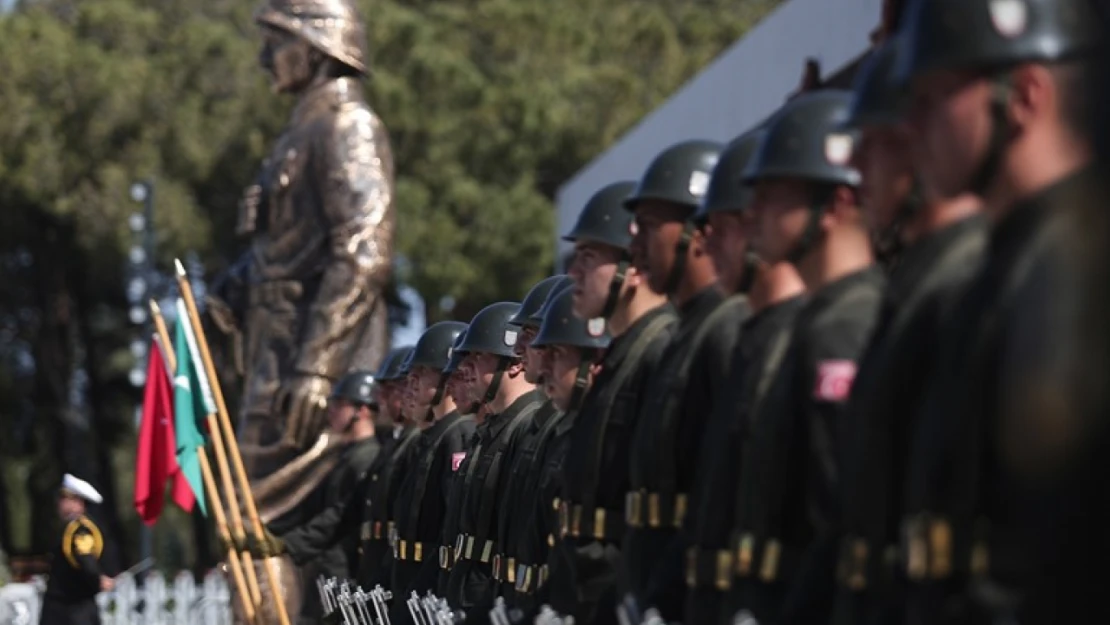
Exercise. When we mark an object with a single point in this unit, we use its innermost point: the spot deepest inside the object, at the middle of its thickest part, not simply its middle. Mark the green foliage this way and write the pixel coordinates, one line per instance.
(490, 104)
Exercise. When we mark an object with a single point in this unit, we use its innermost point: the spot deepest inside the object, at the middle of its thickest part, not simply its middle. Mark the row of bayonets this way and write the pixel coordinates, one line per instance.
(347, 603)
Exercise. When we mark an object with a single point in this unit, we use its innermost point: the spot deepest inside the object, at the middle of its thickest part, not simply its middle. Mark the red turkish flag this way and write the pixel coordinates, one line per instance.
(155, 460)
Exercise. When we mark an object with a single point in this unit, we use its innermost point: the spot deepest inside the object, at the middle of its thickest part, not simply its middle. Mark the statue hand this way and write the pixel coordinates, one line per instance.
(303, 401)
(221, 314)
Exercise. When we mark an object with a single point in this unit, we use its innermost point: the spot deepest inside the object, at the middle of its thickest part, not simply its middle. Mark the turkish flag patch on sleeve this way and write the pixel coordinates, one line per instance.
(456, 460)
(834, 380)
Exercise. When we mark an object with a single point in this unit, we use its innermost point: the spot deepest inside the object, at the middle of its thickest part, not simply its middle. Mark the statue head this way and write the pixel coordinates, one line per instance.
(306, 39)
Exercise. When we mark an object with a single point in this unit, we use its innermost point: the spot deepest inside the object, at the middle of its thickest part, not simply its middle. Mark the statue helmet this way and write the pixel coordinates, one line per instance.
(332, 26)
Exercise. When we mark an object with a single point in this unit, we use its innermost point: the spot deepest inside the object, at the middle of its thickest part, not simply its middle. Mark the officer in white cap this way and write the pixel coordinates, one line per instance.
(75, 572)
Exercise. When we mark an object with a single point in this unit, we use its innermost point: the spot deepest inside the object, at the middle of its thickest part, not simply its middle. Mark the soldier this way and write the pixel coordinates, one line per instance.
(422, 501)
(384, 477)
(497, 374)
(319, 534)
(669, 247)
(75, 572)
(595, 475)
(528, 321)
(808, 215)
(940, 243)
(775, 295)
(515, 571)
(320, 221)
(998, 110)
(572, 349)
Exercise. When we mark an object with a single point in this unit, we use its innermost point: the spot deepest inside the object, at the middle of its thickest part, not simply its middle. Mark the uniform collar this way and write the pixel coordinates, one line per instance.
(332, 93)
(621, 345)
(495, 424)
(919, 258)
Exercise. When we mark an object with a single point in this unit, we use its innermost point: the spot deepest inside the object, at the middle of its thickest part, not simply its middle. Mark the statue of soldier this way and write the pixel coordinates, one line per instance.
(307, 295)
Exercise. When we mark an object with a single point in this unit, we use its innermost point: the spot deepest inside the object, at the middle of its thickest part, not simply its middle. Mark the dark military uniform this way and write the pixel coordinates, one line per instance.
(376, 535)
(595, 472)
(319, 534)
(963, 510)
(677, 403)
(756, 360)
(481, 479)
(516, 557)
(74, 578)
(930, 276)
(450, 530)
(785, 542)
(421, 506)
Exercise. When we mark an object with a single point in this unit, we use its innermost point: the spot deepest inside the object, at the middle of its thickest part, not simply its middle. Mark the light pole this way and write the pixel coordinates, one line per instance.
(140, 282)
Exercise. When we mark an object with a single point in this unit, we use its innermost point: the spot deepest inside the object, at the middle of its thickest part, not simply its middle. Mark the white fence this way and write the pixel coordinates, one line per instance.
(155, 602)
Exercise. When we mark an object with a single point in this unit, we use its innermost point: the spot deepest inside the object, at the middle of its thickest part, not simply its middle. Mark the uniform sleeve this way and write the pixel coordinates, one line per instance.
(338, 518)
(82, 553)
(355, 165)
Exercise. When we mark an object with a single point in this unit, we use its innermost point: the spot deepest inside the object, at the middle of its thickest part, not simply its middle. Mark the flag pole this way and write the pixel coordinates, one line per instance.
(229, 438)
(233, 562)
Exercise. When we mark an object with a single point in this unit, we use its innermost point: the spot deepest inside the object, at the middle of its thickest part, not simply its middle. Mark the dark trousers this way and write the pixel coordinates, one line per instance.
(55, 612)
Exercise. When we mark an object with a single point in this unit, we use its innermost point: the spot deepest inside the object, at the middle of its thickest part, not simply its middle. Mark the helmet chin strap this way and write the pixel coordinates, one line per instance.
(674, 278)
(615, 286)
(495, 383)
(581, 380)
(441, 388)
(812, 233)
(888, 241)
(747, 277)
(1001, 133)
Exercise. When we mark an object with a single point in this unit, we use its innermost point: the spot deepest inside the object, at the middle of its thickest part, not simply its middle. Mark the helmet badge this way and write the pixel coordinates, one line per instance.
(596, 326)
(510, 337)
(699, 183)
(363, 390)
(1009, 17)
(838, 149)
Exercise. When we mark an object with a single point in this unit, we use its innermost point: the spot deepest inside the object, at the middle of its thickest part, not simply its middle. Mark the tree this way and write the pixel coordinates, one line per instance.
(490, 104)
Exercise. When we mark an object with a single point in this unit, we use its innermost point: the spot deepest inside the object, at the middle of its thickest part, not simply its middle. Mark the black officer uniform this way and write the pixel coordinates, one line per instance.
(516, 563)
(930, 275)
(483, 474)
(380, 488)
(679, 397)
(594, 478)
(319, 533)
(755, 360)
(788, 498)
(422, 495)
(75, 572)
(966, 551)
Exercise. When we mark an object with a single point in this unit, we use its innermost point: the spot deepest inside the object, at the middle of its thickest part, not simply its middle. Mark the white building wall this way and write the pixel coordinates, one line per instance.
(738, 90)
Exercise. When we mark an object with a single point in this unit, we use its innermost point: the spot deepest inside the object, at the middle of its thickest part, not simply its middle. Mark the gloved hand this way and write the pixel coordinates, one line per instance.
(302, 400)
(268, 547)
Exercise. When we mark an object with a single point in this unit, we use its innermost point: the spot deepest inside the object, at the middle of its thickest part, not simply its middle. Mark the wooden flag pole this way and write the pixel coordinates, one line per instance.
(229, 437)
(245, 596)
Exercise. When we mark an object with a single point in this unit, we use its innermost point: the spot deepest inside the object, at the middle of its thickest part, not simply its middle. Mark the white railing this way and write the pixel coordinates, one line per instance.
(155, 602)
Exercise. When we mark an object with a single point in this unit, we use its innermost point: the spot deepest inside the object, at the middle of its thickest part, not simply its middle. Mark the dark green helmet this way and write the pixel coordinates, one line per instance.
(993, 34)
(393, 364)
(358, 387)
(805, 140)
(561, 327)
(727, 191)
(434, 347)
(877, 100)
(533, 301)
(604, 218)
(536, 318)
(490, 331)
(679, 174)
(454, 356)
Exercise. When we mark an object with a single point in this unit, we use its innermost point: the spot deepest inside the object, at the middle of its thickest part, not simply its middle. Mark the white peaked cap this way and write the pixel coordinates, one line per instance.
(81, 488)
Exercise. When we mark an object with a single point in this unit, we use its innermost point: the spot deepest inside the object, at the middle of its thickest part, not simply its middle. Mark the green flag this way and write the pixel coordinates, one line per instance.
(192, 403)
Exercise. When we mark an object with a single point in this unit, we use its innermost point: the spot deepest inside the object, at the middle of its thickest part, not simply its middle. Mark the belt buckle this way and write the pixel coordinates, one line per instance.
(654, 516)
(744, 553)
(679, 510)
(542, 576)
(723, 579)
(459, 540)
(917, 549)
(403, 549)
(940, 548)
(468, 547)
(857, 571)
(599, 523)
(497, 567)
(511, 573)
(418, 552)
(487, 551)
(564, 519)
(633, 508)
(364, 531)
(576, 521)
(377, 529)
(769, 563)
(444, 556)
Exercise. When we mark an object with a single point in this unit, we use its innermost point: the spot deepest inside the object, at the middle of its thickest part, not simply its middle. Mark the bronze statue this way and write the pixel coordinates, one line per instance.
(320, 222)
